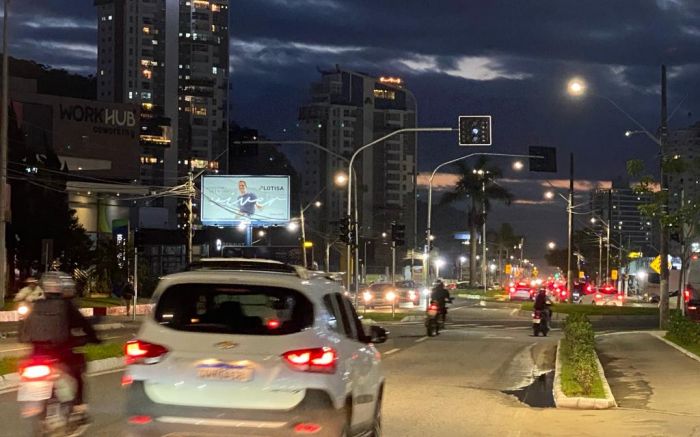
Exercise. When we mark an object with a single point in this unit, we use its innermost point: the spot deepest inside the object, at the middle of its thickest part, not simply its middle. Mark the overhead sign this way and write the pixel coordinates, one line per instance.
(582, 275)
(235, 200)
(634, 255)
(509, 269)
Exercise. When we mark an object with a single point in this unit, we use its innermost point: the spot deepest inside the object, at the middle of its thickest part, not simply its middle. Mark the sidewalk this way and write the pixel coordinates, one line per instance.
(646, 373)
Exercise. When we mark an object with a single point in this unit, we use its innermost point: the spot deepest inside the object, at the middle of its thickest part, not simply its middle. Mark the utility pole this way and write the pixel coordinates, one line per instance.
(600, 259)
(483, 231)
(303, 238)
(570, 212)
(663, 246)
(4, 200)
(190, 218)
(393, 262)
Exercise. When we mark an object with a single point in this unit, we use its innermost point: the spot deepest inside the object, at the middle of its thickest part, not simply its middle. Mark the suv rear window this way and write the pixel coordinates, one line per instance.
(233, 309)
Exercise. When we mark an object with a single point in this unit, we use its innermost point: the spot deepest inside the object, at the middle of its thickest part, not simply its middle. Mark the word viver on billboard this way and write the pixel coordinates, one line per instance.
(232, 200)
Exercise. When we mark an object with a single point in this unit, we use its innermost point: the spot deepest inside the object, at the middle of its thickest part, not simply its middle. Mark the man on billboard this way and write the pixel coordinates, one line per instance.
(247, 201)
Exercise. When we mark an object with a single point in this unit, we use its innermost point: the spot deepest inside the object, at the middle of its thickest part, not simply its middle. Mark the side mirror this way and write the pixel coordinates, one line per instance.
(378, 334)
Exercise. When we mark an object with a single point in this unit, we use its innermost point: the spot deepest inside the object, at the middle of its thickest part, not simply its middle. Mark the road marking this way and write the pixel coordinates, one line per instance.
(515, 328)
(514, 312)
(496, 337)
(15, 349)
(393, 351)
(422, 339)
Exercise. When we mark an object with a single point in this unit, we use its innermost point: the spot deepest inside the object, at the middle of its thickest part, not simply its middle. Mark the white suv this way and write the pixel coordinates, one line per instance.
(256, 353)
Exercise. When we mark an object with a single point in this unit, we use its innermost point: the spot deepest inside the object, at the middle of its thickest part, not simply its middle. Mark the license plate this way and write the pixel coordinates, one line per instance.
(225, 373)
(33, 391)
(536, 321)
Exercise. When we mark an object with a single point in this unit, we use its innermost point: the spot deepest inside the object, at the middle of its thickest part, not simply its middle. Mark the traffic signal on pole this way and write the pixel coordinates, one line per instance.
(475, 130)
(398, 233)
(546, 160)
(344, 230)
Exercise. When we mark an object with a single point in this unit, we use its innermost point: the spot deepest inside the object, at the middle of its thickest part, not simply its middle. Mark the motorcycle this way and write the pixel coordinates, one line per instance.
(435, 319)
(46, 392)
(540, 321)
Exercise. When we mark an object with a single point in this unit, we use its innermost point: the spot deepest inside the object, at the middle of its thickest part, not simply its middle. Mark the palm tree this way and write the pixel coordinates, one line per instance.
(477, 185)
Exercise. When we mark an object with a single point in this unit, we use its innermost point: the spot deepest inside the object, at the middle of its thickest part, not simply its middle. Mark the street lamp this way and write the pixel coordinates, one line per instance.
(549, 195)
(576, 87)
(551, 245)
(317, 204)
(439, 263)
(341, 179)
(292, 226)
(462, 260)
(518, 165)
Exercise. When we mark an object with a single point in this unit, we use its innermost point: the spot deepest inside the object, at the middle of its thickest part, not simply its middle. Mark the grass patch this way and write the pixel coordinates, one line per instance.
(596, 310)
(8, 365)
(570, 385)
(694, 348)
(92, 352)
(89, 302)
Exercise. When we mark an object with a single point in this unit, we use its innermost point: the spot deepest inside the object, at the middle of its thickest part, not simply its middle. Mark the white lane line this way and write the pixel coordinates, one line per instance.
(422, 339)
(514, 312)
(15, 349)
(393, 351)
(515, 328)
(496, 337)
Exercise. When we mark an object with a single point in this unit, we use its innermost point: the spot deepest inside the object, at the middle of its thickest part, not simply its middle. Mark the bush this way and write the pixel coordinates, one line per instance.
(684, 331)
(579, 348)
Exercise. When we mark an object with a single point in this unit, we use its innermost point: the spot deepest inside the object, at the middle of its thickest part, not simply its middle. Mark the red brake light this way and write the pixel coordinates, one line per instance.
(140, 420)
(317, 360)
(35, 371)
(433, 307)
(686, 296)
(307, 428)
(273, 324)
(141, 352)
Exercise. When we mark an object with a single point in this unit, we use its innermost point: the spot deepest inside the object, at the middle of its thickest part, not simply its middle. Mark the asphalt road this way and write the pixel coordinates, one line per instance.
(450, 385)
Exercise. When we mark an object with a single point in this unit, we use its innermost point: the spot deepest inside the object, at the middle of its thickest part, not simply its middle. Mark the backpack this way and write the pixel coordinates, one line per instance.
(47, 323)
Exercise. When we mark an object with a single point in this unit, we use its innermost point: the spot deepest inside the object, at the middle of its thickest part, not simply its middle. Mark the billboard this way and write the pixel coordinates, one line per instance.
(232, 200)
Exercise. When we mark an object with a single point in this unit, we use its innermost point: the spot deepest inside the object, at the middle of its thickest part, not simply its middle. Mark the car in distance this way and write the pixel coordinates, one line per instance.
(242, 350)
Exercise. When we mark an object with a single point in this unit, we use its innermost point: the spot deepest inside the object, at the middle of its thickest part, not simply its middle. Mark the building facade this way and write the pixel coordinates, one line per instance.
(684, 144)
(170, 57)
(346, 110)
(629, 228)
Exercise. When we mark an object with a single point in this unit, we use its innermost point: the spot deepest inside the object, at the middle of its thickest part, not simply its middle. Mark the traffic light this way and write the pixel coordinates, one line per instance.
(548, 161)
(474, 130)
(344, 229)
(398, 233)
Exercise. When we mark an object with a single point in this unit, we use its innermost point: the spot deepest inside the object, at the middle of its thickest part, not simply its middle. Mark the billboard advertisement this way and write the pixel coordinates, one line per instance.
(232, 200)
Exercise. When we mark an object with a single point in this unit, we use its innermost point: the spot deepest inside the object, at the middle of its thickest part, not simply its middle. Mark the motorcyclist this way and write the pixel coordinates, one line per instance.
(440, 296)
(542, 305)
(30, 292)
(48, 327)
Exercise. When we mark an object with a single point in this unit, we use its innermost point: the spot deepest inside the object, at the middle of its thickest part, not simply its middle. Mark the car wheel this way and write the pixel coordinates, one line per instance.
(377, 424)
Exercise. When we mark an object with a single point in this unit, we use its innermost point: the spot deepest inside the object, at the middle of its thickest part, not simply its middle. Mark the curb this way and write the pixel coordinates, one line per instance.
(11, 381)
(680, 349)
(581, 403)
(413, 319)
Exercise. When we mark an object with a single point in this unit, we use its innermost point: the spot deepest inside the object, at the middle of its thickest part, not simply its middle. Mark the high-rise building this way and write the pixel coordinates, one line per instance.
(684, 144)
(347, 110)
(171, 58)
(203, 83)
(619, 207)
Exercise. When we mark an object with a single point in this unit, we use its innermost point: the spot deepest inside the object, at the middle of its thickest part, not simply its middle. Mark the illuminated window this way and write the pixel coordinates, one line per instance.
(145, 62)
(146, 29)
(147, 106)
(214, 70)
(385, 94)
(148, 74)
(199, 111)
(200, 163)
(215, 8)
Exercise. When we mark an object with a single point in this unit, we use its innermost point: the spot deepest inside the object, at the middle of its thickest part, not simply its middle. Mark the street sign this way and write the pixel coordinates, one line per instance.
(613, 274)
(634, 255)
(308, 244)
(475, 130)
(656, 264)
(509, 269)
(582, 275)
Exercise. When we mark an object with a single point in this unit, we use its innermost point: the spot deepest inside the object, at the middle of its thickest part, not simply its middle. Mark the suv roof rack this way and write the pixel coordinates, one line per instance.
(247, 264)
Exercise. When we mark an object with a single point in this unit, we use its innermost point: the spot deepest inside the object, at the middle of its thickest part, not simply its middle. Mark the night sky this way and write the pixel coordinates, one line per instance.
(511, 59)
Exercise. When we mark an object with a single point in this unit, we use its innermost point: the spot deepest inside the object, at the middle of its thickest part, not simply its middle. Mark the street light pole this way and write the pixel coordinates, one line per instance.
(350, 178)
(483, 231)
(570, 213)
(4, 121)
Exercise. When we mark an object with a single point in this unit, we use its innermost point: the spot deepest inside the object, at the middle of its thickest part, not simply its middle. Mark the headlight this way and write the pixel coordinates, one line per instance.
(390, 296)
(367, 296)
(426, 292)
(412, 295)
(23, 310)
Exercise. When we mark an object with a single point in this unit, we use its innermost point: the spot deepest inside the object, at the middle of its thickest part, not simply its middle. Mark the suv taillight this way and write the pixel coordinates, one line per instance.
(141, 352)
(316, 360)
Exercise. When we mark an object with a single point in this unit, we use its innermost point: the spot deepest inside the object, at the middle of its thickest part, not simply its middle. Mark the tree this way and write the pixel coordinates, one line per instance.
(504, 240)
(477, 186)
(680, 217)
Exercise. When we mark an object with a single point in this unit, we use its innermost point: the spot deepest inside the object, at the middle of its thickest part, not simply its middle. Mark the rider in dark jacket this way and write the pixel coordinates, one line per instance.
(541, 304)
(440, 295)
